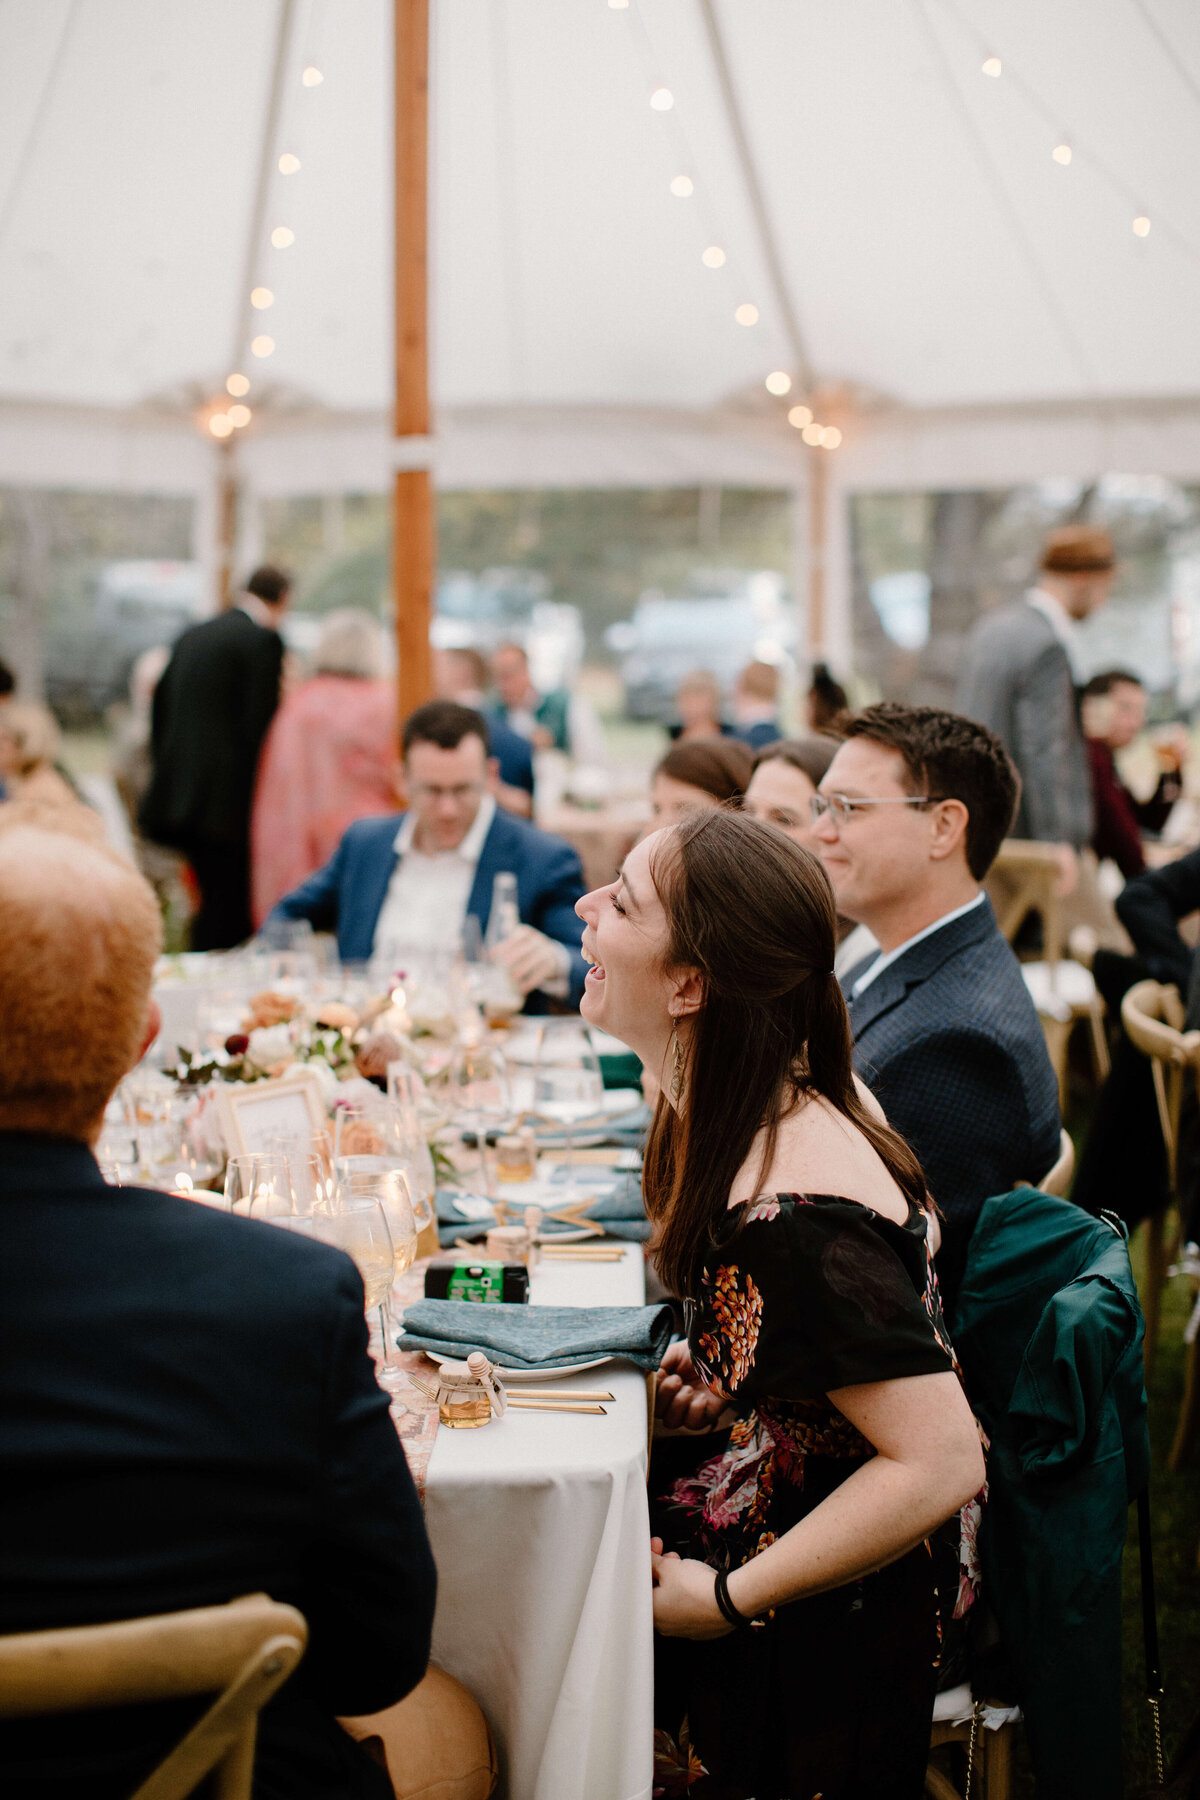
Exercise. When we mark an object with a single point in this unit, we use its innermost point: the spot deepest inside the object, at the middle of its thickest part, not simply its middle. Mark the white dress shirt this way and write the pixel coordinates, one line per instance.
(1064, 627)
(426, 901)
(890, 956)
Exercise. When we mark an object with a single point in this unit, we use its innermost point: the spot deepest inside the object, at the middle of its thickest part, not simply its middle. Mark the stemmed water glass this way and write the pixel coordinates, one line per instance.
(358, 1224)
(567, 1085)
(385, 1134)
(478, 1093)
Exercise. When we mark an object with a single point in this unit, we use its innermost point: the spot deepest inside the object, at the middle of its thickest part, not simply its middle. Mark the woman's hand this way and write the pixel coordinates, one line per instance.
(681, 1398)
(685, 1600)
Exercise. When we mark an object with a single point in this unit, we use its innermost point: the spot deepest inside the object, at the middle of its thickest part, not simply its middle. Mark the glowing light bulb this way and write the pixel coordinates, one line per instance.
(662, 99)
(746, 313)
(283, 236)
(1061, 154)
(812, 433)
(239, 416)
(289, 164)
(831, 437)
(618, 5)
(312, 77)
(779, 382)
(1141, 226)
(221, 425)
(261, 298)
(991, 65)
(713, 257)
(262, 346)
(800, 416)
(237, 385)
(682, 187)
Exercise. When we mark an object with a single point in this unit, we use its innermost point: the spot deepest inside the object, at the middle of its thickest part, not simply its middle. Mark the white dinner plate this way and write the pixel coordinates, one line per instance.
(453, 1367)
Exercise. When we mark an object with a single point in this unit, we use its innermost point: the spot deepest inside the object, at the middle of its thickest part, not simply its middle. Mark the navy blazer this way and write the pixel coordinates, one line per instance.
(347, 895)
(188, 1413)
(949, 1041)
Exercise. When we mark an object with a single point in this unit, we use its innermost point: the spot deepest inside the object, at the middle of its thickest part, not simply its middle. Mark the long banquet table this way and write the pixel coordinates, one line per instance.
(540, 1528)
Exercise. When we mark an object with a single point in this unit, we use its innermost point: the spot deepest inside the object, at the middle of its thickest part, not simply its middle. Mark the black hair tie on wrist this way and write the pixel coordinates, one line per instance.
(725, 1605)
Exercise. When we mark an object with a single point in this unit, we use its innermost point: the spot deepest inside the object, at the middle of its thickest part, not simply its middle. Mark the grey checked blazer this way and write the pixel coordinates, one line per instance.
(1016, 679)
(948, 1040)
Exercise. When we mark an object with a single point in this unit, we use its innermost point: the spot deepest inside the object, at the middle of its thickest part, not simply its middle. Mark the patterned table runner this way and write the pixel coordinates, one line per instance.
(418, 1427)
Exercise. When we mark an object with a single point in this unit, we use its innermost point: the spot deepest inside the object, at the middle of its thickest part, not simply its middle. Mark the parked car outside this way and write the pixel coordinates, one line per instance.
(751, 620)
(137, 605)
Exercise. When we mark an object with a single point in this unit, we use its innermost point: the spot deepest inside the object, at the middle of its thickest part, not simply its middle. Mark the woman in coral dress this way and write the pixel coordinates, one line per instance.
(329, 758)
(796, 1564)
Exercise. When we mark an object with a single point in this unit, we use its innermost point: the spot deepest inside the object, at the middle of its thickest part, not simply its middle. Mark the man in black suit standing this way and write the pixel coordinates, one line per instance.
(909, 817)
(188, 1411)
(217, 696)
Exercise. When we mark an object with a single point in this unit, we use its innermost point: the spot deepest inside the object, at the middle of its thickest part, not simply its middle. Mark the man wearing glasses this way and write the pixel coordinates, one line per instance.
(404, 888)
(907, 822)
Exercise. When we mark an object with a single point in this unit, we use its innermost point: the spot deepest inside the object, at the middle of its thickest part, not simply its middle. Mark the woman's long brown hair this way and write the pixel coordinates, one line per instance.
(754, 914)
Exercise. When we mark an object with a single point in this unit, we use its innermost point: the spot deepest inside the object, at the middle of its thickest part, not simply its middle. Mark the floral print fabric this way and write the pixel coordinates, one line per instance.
(805, 1295)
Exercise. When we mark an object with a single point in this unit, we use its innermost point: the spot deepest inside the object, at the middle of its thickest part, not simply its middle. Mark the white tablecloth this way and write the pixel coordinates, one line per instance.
(540, 1529)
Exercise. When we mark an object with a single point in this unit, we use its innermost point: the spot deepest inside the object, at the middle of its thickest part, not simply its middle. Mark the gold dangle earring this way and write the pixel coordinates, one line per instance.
(676, 1061)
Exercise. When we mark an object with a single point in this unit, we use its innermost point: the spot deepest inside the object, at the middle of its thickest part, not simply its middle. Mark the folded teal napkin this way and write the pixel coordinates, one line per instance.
(533, 1337)
(617, 1206)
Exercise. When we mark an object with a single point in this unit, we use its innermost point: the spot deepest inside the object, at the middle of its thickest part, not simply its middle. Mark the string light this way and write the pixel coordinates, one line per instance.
(812, 433)
(713, 257)
(991, 65)
(746, 313)
(283, 236)
(778, 382)
(261, 298)
(239, 416)
(618, 5)
(262, 346)
(289, 164)
(662, 99)
(312, 77)
(237, 385)
(683, 187)
(1141, 226)
(1061, 154)
(221, 425)
(831, 437)
(800, 416)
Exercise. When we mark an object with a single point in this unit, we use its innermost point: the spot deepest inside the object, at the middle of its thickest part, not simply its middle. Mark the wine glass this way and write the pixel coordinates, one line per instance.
(310, 1170)
(357, 1224)
(478, 1093)
(567, 1085)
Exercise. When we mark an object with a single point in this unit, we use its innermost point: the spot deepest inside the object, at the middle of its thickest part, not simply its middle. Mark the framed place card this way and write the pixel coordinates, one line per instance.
(253, 1114)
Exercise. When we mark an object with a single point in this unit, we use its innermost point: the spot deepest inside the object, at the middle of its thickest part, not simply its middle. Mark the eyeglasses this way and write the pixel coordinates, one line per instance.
(843, 807)
(464, 791)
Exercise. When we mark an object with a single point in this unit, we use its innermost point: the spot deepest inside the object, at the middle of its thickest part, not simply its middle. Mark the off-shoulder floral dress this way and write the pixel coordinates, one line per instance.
(830, 1697)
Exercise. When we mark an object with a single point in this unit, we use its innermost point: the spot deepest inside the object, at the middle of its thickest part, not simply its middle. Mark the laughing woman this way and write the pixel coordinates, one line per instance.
(795, 1595)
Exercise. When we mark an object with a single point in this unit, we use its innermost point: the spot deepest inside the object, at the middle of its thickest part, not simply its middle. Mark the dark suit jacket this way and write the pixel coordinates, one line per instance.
(1150, 908)
(347, 894)
(217, 696)
(513, 753)
(188, 1413)
(948, 1040)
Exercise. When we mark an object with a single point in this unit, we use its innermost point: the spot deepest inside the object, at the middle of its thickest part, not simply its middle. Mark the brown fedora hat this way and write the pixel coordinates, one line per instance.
(1078, 550)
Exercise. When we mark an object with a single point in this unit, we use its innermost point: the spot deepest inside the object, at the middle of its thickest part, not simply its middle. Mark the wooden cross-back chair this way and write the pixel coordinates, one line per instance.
(238, 1654)
(1153, 1017)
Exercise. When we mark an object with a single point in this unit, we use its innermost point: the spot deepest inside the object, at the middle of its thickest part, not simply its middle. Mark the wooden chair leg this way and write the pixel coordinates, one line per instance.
(1101, 1061)
(1156, 1275)
(1057, 1033)
(1188, 1428)
(938, 1786)
(998, 1763)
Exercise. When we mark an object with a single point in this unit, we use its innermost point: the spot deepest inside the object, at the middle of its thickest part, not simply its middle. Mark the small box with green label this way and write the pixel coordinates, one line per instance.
(449, 1278)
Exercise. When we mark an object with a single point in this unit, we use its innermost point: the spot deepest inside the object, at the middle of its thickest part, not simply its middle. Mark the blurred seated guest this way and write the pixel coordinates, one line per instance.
(29, 745)
(756, 705)
(698, 703)
(217, 696)
(911, 812)
(329, 758)
(828, 707)
(462, 675)
(8, 682)
(786, 776)
(79, 822)
(212, 1426)
(699, 772)
(796, 1223)
(1114, 713)
(400, 887)
(559, 720)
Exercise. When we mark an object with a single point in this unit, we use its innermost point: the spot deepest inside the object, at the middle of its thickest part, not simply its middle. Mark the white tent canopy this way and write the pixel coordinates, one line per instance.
(963, 305)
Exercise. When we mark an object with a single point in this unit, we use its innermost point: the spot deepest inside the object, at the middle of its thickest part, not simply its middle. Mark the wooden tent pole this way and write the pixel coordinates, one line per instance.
(818, 503)
(412, 494)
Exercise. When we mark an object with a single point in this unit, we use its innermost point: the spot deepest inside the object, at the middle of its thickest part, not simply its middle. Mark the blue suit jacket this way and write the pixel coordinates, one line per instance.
(949, 1041)
(347, 894)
